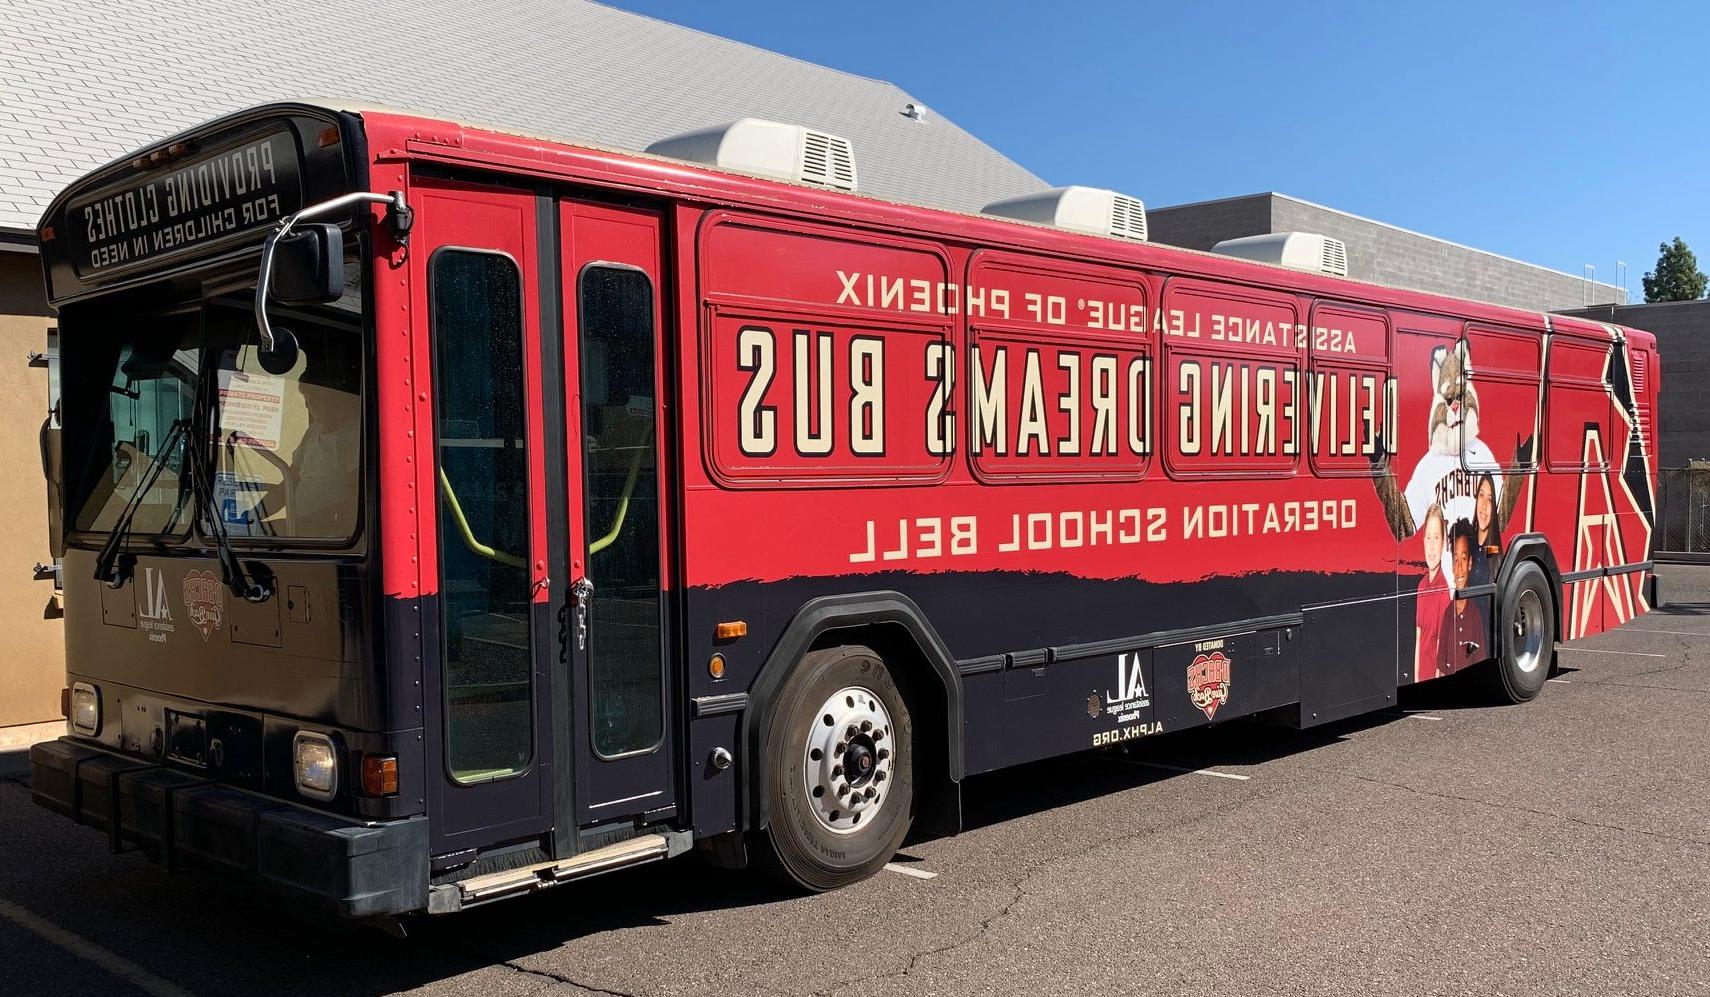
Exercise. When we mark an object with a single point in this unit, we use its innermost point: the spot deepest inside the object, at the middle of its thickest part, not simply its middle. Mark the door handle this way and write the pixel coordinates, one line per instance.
(582, 593)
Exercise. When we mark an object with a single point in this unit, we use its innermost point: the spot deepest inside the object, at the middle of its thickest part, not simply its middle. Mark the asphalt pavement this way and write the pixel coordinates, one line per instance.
(1447, 847)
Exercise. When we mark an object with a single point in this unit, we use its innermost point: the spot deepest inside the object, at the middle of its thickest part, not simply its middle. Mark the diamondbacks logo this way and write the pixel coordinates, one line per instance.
(204, 601)
(1208, 682)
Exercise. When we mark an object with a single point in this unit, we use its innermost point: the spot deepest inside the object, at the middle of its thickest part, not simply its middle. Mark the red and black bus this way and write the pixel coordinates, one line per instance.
(552, 509)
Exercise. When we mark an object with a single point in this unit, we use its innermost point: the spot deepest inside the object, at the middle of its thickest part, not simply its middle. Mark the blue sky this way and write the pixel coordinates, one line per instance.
(1555, 133)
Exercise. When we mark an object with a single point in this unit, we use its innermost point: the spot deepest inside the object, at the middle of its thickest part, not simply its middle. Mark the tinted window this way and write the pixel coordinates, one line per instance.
(288, 447)
(146, 380)
(483, 513)
(622, 508)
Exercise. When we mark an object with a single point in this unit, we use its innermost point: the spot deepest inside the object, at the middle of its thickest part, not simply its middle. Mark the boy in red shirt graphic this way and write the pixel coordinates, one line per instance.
(1432, 609)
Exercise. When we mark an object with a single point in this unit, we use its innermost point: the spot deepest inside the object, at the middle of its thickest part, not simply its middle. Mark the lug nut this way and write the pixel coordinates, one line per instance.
(836, 770)
(853, 730)
(879, 776)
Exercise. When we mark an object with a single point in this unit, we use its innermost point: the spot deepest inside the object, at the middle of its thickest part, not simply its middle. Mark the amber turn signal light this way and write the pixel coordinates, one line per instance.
(65, 702)
(730, 630)
(379, 775)
(715, 666)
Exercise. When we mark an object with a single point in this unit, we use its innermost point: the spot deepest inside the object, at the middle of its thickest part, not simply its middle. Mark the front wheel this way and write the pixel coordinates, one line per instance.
(1525, 635)
(841, 784)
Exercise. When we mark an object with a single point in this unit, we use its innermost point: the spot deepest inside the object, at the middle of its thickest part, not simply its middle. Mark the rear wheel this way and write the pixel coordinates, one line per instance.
(841, 786)
(1525, 635)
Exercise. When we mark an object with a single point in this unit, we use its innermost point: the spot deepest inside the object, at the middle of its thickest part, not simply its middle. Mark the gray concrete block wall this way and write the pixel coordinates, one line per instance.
(1201, 226)
(1381, 253)
(1682, 329)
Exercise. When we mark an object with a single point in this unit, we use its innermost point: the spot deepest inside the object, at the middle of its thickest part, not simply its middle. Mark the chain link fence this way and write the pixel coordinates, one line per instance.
(1683, 512)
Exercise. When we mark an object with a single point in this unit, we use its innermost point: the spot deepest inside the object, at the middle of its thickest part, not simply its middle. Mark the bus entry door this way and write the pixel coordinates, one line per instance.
(486, 633)
(614, 380)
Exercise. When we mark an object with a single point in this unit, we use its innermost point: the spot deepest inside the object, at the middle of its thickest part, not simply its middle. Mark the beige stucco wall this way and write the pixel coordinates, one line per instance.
(32, 644)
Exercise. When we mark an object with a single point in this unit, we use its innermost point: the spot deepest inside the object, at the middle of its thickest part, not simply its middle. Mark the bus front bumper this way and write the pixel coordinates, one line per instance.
(319, 862)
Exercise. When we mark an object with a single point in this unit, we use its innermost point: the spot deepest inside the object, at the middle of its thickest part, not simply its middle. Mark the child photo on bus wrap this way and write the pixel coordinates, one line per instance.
(1467, 614)
(1432, 606)
(1487, 539)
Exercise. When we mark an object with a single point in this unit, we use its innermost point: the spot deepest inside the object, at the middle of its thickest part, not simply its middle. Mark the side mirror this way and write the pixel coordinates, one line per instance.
(279, 356)
(308, 266)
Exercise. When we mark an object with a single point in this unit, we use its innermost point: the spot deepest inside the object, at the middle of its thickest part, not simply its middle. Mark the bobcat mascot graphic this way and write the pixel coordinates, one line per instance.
(1455, 458)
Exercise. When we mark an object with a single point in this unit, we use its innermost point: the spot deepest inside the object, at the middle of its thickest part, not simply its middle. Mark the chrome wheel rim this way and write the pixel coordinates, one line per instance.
(1528, 632)
(848, 759)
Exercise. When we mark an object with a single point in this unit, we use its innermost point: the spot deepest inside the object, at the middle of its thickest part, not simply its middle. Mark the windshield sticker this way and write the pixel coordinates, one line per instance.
(252, 407)
(238, 499)
(204, 601)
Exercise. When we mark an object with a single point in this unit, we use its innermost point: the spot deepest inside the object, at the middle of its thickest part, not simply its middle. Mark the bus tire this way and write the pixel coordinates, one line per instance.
(1525, 635)
(830, 827)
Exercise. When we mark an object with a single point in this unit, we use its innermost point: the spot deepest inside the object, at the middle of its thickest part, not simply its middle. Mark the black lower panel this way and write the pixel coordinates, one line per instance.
(1030, 693)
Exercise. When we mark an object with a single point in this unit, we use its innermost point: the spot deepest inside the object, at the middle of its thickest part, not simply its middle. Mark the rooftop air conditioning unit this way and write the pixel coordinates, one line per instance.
(1081, 209)
(767, 148)
(1296, 250)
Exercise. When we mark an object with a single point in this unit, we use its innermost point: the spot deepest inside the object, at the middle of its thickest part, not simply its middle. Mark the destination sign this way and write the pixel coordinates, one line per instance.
(212, 196)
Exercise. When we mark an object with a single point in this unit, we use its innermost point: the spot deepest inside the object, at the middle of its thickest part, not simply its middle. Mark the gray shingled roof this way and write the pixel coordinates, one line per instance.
(84, 81)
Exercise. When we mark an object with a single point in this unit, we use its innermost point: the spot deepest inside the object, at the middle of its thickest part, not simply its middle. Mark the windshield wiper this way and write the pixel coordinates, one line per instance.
(107, 567)
(232, 572)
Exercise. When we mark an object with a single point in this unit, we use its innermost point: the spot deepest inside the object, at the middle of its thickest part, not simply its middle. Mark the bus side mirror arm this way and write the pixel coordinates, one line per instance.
(399, 217)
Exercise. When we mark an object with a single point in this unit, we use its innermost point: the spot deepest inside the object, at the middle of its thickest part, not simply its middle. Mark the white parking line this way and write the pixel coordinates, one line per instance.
(1178, 768)
(1421, 716)
(1630, 654)
(1677, 633)
(1562, 681)
(87, 950)
(910, 871)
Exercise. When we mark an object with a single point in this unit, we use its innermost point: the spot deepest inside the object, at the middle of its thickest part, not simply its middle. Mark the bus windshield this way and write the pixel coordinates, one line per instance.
(286, 449)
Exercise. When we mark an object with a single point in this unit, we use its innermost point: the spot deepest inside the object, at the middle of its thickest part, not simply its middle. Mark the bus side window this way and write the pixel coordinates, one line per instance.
(1576, 435)
(1500, 379)
(1235, 399)
(1352, 398)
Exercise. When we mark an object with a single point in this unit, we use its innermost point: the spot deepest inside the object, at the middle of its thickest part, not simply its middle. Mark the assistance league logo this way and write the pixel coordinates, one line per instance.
(1208, 682)
(204, 601)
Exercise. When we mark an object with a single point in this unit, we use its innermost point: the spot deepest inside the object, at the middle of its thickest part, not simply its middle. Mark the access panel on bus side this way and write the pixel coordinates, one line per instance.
(1349, 654)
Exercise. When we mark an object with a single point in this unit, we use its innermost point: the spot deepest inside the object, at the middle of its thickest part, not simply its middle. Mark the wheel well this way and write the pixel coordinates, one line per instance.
(893, 626)
(1555, 598)
(1540, 554)
(937, 796)
(1533, 548)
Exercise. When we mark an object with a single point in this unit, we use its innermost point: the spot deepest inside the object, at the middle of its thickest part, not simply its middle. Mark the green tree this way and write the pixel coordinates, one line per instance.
(1677, 277)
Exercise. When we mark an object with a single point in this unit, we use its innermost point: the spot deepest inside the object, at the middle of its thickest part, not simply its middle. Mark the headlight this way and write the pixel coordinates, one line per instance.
(316, 765)
(85, 709)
